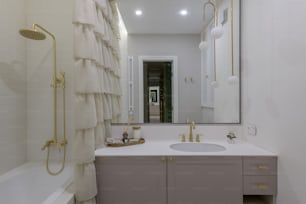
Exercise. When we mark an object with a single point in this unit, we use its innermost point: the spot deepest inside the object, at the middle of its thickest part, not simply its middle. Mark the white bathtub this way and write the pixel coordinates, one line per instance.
(31, 184)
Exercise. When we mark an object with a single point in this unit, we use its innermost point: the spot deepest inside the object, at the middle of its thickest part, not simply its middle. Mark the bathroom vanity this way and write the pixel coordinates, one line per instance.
(157, 174)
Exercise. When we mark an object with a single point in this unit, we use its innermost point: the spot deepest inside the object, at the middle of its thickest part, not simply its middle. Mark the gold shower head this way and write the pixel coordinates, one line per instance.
(32, 34)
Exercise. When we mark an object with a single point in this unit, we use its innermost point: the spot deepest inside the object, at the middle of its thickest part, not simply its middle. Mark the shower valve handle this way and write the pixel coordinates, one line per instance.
(47, 144)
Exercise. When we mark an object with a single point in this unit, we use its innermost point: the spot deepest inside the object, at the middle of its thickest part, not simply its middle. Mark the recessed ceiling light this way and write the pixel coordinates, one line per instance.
(183, 12)
(138, 12)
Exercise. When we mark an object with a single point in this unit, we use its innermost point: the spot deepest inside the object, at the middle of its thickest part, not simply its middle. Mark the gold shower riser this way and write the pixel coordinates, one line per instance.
(58, 82)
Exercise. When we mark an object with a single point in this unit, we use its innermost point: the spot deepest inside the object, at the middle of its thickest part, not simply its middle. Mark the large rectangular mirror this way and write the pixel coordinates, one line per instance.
(180, 60)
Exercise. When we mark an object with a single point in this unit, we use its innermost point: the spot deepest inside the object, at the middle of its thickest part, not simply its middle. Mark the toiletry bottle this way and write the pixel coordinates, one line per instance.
(136, 132)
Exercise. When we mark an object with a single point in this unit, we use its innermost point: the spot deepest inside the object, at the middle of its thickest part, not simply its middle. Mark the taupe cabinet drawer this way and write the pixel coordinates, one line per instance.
(259, 185)
(259, 166)
(260, 175)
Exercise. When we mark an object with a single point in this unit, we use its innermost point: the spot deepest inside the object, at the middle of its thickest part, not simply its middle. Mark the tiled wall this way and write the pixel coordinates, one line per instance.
(12, 85)
(26, 70)
(56, 16)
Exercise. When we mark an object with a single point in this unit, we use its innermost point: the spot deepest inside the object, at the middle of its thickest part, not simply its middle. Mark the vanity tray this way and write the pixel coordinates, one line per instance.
(140, 141)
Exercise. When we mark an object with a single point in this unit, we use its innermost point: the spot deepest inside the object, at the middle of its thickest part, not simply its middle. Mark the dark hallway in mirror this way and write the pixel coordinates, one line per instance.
(157, 80)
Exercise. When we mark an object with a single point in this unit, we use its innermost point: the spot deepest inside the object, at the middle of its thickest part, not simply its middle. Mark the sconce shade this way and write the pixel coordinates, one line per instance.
(233, 79)
(203, 45)
(217, 32)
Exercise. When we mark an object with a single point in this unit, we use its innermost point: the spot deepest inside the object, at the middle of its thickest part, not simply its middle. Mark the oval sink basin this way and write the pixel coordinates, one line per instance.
(197, 147)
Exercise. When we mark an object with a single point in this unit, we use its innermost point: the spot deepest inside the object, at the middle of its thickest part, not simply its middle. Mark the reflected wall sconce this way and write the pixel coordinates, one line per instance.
(217, 31)
(233, 78)
(58, 81)
(203, 44)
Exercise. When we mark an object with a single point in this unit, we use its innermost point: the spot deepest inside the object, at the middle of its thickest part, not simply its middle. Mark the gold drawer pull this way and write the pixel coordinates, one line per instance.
(262, 187)
(170, 160)
(163, 159)
(262, 167)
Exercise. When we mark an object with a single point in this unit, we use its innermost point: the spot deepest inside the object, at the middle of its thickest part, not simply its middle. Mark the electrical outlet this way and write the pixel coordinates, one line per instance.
(252, 129)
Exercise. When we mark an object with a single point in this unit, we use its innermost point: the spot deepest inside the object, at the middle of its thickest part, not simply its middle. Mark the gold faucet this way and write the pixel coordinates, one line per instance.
(55, 143)
(191, 127)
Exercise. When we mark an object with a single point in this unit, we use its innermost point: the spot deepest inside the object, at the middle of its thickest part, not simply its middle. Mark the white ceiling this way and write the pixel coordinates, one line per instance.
(162, 16)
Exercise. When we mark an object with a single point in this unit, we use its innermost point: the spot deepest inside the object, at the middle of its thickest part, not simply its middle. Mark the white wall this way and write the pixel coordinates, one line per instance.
(185, 47)
(12, 85)
(55, 16)
(274, 77)
(123, 43)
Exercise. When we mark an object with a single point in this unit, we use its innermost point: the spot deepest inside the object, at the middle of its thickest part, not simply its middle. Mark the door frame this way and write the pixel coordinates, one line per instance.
(174, 60)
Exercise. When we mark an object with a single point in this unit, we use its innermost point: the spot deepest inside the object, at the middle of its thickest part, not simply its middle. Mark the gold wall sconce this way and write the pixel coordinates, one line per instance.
(203, 43)
(217, 31)
(233, 78)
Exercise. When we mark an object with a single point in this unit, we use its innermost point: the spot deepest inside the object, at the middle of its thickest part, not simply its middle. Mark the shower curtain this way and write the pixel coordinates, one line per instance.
(97, 87)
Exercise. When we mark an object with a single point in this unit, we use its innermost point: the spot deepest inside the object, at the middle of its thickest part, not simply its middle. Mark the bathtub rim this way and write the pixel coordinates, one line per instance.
(56, 194)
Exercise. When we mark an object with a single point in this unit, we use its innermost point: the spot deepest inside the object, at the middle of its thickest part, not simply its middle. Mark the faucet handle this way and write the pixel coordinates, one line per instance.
(198, 137)
(187, 120)
(183, 137)
(193, 124)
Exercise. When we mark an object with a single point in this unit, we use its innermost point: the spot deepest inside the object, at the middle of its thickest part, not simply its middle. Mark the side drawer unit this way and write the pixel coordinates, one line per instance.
(260, 175)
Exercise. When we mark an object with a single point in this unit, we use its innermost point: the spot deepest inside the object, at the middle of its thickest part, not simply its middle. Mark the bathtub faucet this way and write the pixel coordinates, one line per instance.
(52, 142)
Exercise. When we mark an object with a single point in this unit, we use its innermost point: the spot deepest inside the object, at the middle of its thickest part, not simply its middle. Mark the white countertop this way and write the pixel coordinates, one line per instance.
(162, 148)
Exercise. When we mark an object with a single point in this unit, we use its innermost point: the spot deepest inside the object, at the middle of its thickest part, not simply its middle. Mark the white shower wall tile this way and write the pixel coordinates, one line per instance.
(12, 86)
(55, 16)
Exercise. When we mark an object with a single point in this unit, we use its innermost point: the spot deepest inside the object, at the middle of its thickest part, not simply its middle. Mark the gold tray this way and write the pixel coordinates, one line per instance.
(140, 141)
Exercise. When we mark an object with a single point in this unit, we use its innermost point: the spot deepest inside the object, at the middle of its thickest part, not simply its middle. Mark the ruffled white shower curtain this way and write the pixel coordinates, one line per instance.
(97, 87)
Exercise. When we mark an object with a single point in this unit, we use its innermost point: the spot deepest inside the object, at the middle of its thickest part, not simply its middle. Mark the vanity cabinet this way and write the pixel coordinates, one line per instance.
(186, 180)
(169, 180)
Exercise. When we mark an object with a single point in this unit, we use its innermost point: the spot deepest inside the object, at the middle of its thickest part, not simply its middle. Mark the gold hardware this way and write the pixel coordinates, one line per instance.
(232, 35)
(262, 187)
(183, 137)
(198, 138)
(163, 159)
(58, 81)
(170, 159)
(191, 127)
(262, 167)
(48, 143)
